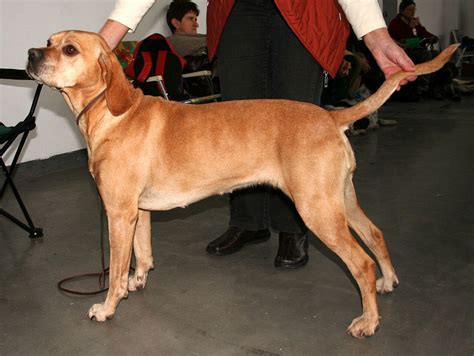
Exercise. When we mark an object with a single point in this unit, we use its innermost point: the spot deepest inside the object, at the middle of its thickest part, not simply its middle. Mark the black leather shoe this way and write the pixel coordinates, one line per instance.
(292, 251)
(234, 239)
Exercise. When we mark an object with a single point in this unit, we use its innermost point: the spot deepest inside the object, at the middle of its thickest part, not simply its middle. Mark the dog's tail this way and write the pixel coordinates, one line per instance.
(347, 116)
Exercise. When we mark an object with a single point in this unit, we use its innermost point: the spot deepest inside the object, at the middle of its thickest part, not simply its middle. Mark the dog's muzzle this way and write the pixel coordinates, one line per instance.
(35, 58)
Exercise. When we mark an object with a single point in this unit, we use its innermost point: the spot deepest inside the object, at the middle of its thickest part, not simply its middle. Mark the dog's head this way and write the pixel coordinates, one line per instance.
(81, 63)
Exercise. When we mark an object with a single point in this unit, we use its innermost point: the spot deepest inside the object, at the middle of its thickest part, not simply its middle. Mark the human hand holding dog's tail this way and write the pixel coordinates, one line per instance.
(347, 116)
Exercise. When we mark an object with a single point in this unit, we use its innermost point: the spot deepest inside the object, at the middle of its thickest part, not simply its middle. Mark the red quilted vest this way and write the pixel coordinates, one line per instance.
(319, 24)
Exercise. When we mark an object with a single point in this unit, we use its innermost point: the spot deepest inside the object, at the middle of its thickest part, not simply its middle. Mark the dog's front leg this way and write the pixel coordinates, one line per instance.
(143, 252)
(122, 221)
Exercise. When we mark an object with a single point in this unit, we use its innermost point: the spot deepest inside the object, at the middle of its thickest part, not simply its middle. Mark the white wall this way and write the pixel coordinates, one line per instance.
(439, 17)
(466, 11)
(29, 23)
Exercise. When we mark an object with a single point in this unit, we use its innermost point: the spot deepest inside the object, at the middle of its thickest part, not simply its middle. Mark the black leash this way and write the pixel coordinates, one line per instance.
(101, 275)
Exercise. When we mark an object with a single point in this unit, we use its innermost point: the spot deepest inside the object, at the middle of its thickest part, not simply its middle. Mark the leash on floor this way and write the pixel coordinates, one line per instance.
(101, 275)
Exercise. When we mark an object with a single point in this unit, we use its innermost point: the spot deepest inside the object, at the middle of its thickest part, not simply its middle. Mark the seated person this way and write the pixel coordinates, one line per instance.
(356, 79)
(406, 26)
(351, 75)
(182, 20)
(407, 30)
(371, 76)
(337, 88)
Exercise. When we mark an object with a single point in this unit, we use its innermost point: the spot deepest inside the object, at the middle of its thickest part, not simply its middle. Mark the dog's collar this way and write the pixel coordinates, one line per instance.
(88, 106)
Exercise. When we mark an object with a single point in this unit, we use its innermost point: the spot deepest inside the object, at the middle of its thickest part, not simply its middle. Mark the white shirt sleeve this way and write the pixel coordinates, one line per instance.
(364, 15)
(130, 12)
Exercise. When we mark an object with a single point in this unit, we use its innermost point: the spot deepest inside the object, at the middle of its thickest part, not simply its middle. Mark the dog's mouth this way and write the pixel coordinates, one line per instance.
(36, 71)
(31, 71)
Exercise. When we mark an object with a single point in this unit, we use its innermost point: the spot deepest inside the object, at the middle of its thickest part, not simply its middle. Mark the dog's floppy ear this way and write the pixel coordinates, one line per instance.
(118, 93)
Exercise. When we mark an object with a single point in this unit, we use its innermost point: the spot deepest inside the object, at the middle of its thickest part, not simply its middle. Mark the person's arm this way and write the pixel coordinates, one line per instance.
(124, 18)
(113, 32)
(363, 15)
(367, 21)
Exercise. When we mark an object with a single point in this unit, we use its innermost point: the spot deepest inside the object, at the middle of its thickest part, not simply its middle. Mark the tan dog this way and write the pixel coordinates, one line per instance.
(146, 153)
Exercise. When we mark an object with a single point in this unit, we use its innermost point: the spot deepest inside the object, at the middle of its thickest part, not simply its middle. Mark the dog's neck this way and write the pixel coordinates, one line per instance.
(78, 98)
(81, 101)
(90, 105)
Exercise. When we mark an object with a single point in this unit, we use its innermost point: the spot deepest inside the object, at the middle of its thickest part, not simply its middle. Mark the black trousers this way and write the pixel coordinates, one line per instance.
(260, 57)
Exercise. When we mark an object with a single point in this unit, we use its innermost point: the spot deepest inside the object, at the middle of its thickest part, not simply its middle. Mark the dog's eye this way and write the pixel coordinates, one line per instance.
(48, 43)
(70, 50)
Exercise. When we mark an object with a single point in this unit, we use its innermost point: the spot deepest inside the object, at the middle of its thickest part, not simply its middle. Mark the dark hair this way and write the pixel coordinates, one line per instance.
(177, 10)
(404, 4)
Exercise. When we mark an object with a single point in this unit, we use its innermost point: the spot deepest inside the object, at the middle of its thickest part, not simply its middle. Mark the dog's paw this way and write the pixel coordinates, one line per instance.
(363, 326)
(137, 282)
(99, 313)
(386, 285)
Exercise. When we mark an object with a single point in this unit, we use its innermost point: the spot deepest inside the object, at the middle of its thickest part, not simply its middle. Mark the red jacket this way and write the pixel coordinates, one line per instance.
(319, 24)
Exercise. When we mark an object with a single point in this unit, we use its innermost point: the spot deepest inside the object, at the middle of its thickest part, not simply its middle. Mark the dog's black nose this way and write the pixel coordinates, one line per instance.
(35, 55)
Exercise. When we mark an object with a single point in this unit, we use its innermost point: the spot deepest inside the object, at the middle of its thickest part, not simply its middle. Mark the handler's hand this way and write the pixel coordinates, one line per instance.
(390, 57)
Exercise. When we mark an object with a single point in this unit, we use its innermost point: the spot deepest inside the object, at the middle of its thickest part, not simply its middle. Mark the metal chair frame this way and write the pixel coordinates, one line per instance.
(463, 52)
(21, 131)
(196, 100)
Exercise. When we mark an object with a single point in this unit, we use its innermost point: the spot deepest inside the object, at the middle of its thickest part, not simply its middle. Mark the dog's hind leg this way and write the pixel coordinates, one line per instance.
(372, 237)
(143, 252)
(122, 220)
(324, 214)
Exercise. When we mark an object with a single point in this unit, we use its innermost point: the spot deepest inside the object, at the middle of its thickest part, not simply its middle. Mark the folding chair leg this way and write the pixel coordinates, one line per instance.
(24, 136)
(35, 232)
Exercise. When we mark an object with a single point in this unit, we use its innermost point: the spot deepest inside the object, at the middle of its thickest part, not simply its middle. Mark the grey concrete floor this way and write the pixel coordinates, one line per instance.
(414, 180)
